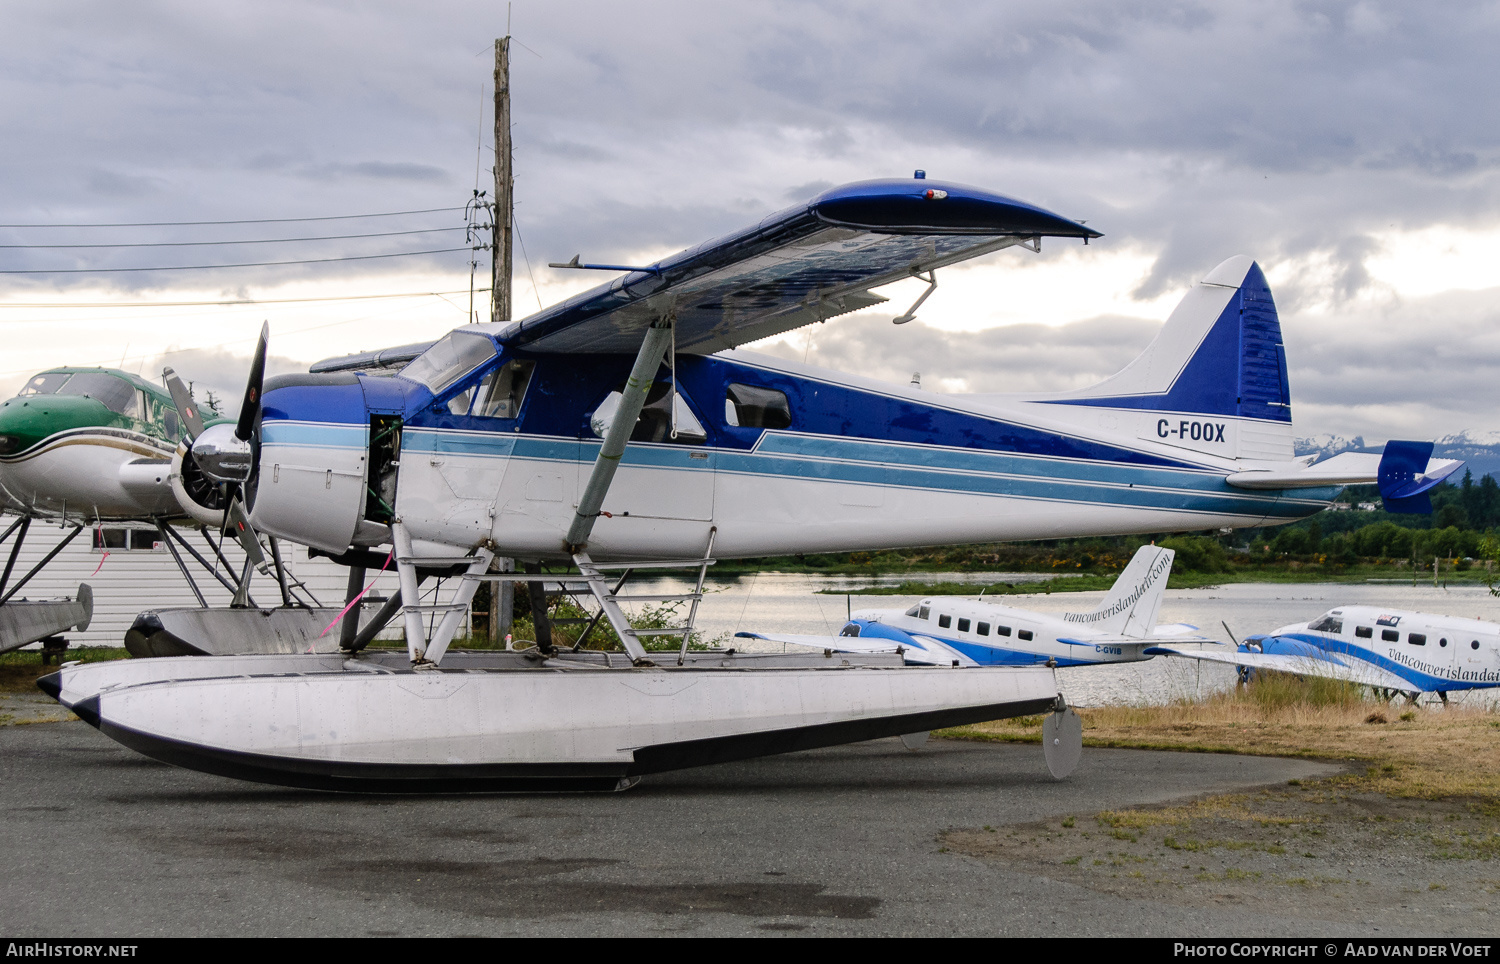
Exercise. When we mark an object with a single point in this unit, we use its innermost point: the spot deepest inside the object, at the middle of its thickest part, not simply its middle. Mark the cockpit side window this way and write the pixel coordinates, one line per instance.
(449, 359)
(750, 406)
(504, 389)
(116, 394)
(46, 383)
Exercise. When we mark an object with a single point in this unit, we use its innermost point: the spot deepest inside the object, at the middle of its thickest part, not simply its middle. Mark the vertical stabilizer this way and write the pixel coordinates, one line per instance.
(1214, 380)
(1132, 604)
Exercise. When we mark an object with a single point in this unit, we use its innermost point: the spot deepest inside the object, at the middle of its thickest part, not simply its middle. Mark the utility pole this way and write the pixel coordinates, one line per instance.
(504, 181)
(503, 592)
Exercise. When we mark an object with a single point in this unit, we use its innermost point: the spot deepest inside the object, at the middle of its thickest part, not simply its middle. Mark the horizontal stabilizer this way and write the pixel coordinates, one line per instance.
(1407, 474)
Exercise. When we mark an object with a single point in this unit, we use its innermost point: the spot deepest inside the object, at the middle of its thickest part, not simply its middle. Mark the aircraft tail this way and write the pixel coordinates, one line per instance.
(1132, 604)
(1214, 380)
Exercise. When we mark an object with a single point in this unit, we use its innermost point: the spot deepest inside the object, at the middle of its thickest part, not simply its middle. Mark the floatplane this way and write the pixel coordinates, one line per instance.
(1389, 650)
(84, 446)
(625, 429)
(959, 631)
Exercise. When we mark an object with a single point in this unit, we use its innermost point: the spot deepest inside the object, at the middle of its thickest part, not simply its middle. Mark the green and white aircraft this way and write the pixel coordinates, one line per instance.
(80, 446)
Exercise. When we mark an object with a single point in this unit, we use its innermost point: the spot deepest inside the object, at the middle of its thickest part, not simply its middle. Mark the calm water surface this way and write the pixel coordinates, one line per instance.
(791, 603)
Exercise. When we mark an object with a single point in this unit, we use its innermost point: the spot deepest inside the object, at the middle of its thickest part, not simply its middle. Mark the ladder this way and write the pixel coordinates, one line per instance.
(609, 599)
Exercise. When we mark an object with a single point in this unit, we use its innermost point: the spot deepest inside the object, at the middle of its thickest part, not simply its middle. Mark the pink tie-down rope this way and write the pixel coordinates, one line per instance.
(355, 601)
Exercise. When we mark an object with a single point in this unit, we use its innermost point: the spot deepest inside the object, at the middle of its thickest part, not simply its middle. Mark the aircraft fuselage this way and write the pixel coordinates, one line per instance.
(827, 462)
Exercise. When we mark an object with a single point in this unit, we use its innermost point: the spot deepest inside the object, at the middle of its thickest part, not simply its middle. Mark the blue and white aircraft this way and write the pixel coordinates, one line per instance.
(1390, 650)
(502, 437)
(958, 631)
(626, 423)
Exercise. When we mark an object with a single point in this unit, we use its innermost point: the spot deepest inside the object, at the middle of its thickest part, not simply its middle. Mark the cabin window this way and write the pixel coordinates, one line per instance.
(126, 540)
(915, 610)
(924, 613)
(656, 420)
(45, 384)
(1416, 639)
(1443, 642)
(945, 621)
(1024, 634)
(963, 625)
(449, 359)
(749, 406)
(1390, 635)
(1474, 644)
(850, 630)
(1002, 630)
(1363, 632)
(1328, 625)
(983, 629)
(169, 422)
(504, 389)
(115, 394)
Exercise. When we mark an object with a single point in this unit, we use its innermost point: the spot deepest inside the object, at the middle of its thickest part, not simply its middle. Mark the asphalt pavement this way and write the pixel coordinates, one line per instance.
(101, 842)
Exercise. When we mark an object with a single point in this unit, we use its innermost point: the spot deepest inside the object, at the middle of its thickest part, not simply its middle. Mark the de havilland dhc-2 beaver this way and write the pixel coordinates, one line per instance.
(624, 428)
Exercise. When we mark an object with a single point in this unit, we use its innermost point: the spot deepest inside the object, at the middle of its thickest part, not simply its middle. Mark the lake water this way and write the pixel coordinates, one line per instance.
(791, 603)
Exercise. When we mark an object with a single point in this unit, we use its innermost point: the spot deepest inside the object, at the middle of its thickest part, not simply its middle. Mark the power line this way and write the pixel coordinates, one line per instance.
(181, 224)
(232, 302)
(197, 244)
(210, 267)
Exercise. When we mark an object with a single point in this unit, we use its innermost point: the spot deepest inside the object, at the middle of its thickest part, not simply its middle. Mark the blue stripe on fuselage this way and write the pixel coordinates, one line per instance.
(1426, 682)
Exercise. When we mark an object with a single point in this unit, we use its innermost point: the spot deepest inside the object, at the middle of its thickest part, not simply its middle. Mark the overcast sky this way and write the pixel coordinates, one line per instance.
(1349, 147)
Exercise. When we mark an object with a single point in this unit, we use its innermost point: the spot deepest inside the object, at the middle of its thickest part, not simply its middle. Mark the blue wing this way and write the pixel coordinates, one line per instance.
(805, 264)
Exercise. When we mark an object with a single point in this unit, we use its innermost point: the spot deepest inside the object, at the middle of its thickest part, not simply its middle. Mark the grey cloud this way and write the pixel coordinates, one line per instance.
(113, 184)
(377, 170)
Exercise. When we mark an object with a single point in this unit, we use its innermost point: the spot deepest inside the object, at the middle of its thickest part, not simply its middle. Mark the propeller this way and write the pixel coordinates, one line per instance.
(220, 458)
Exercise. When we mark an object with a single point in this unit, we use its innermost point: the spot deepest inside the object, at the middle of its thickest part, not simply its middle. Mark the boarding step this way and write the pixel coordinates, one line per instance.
(664, 631)
(438, 608)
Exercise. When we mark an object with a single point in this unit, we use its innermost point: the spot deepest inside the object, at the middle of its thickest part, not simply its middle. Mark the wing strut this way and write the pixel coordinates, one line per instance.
(632, 400)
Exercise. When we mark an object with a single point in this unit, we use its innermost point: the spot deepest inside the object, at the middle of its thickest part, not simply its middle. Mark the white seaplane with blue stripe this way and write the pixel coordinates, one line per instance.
(958, 631)
(1391, 650)
(628, 424)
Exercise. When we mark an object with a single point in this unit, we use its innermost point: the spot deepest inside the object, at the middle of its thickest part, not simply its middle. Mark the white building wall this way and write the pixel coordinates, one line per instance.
(127, 582)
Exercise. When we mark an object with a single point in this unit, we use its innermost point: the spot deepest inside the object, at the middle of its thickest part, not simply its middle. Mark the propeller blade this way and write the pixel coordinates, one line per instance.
(246, 534)
(250, 407)
(1232, 638)
(183, 399)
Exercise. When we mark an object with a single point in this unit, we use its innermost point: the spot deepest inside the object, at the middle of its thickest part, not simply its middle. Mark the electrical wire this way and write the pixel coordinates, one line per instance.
(181, 224)
(211, 267)
(239, 301)
(199, 244)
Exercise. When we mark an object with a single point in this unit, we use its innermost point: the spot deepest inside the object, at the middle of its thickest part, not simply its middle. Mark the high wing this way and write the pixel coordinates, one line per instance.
(805, 264)
(1347, 668)
(933, 653)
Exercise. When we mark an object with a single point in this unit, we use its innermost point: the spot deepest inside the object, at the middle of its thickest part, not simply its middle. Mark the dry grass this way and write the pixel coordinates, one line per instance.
(1415, 752)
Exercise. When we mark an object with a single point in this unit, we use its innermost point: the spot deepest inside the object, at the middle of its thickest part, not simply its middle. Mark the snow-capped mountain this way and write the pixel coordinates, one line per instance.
(1479, 450)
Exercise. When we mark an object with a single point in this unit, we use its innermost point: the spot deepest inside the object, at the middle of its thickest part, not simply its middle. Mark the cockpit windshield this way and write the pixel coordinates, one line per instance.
(1328, 623)
(116, 394)
(450, 359)
(45, 384)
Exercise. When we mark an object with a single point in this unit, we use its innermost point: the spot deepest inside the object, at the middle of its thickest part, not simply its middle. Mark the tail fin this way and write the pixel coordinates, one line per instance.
(1214, 380)
(1132, 604)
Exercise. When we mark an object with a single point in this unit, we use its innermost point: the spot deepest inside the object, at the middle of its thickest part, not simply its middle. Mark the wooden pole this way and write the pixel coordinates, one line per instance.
(500, 283)
(503, 593)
